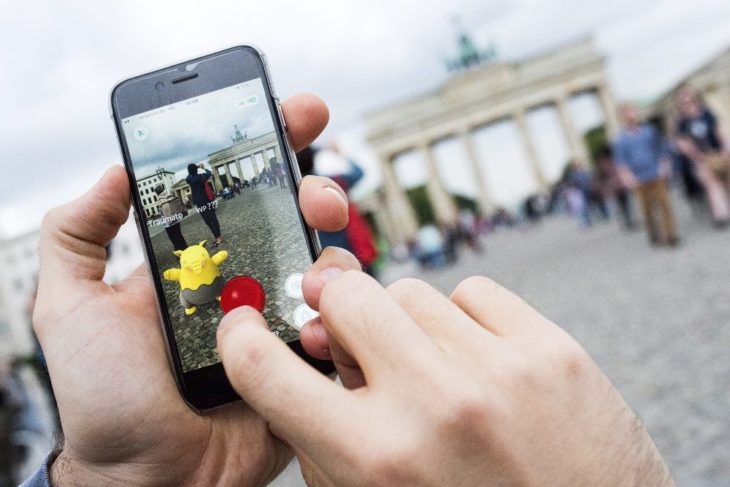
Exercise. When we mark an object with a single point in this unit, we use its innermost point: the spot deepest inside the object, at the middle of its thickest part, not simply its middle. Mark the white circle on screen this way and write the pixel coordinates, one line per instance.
(293, 286)
(302, 314)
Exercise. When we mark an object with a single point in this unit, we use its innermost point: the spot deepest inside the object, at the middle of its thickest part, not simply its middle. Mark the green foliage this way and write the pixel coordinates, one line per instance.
(465, 203)
(596, 139)
(421, 204)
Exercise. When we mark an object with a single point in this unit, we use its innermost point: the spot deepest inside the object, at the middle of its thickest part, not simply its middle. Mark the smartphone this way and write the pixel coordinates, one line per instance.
(215, 193)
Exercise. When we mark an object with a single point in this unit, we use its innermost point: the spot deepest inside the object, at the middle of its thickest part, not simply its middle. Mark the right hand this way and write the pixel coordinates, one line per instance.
(473, 390)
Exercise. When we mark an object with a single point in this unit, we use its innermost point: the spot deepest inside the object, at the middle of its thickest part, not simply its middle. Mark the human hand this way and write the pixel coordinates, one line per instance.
(123, 419)
(479, 389)
(665, 168)
(627, 178)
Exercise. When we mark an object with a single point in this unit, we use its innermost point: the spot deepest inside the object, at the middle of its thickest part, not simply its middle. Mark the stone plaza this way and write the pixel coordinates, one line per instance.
(263, 238)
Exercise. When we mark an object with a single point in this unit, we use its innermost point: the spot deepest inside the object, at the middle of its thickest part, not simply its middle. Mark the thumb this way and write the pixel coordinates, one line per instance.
(73, 236)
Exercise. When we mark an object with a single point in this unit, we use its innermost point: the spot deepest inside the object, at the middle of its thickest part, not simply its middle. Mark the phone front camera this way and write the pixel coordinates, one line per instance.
(159, 86)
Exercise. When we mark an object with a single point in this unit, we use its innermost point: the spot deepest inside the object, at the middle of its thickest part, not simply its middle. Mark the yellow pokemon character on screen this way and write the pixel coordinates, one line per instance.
(199, 276)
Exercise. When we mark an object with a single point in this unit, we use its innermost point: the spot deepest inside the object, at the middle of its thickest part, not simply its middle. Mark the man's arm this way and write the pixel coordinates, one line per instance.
(620, 159)
(354, 175)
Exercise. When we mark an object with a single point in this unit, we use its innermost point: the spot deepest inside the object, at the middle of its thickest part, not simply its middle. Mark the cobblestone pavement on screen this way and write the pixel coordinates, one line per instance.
(253, 224)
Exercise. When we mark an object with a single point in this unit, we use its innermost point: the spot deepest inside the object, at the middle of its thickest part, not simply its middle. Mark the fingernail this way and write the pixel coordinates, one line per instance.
(339, 194)
(320, 334)
(235, 315)
(330, 273)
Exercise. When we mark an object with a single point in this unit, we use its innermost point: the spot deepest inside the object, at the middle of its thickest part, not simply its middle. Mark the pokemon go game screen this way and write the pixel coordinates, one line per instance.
(220, 210)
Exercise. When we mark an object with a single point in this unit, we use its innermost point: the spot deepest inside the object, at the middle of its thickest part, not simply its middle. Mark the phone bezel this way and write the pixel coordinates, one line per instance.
(207, 387)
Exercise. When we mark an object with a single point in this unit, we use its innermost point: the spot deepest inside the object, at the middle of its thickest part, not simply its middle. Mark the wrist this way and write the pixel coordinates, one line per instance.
(66, 470)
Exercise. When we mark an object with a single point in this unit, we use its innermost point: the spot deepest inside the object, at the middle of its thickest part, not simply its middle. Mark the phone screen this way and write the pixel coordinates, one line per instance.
(219, 204)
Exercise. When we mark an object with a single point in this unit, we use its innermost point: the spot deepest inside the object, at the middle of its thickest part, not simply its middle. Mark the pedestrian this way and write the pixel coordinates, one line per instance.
(277, 170)
(173, 212)
(201, 199)
(641, 158)
(700, 140)
(610, 185)
(357, 237)
(579, 193)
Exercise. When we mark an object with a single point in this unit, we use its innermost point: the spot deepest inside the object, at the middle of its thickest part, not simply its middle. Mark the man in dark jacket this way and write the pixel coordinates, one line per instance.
(201, 199)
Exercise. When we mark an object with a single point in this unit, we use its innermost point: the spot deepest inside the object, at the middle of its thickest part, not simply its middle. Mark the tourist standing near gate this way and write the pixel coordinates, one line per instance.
(201, 199)
(172, 211)
(639, 154)
(699, 139)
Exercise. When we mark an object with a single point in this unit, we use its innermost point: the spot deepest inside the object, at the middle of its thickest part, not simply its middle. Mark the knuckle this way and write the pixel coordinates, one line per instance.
(475, 284)
(51, 219)
(407, 288)
(466, 409)
(568, 357)
(341, 293)
(387, 463)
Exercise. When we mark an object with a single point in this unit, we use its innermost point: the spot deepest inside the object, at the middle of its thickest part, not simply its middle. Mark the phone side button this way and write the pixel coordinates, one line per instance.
(281, 114)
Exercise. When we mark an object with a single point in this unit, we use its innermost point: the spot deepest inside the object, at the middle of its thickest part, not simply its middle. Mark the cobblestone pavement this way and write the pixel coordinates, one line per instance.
(262, 235)
(656, 321)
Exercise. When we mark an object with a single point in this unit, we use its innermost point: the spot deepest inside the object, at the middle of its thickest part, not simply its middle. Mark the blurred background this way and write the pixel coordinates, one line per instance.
(474, 137)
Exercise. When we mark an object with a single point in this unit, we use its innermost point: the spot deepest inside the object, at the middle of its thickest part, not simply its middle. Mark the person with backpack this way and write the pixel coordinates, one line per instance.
(202, 195)
(357, 237)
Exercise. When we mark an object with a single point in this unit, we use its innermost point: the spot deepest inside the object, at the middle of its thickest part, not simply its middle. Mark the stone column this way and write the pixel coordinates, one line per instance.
(238, 169)
(521, 121)
(216, 178)
(576, 143)
(254, 164)
(401, 212)
(443, 204)
(265, 157)
(229, 178)
(277, 153)
(486, 203)
(610, 111)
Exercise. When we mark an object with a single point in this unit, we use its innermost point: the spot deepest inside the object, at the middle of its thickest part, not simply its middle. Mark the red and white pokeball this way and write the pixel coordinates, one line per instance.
(242, 291)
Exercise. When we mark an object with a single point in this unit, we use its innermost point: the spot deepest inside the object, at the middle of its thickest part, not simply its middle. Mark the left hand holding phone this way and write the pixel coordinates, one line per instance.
(123, 419)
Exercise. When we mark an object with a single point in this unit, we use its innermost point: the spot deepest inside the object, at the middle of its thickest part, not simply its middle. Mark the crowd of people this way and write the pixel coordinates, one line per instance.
(642, 163)
(630, 178)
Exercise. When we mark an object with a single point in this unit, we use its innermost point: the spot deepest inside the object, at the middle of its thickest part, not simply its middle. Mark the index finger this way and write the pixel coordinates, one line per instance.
(280, 386)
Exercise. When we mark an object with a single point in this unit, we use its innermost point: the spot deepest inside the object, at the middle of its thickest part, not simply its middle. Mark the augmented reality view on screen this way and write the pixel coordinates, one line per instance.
(220, 210)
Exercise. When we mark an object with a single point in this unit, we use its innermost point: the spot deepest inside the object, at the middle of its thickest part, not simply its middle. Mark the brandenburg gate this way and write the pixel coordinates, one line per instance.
(474, 98)
(243, 151)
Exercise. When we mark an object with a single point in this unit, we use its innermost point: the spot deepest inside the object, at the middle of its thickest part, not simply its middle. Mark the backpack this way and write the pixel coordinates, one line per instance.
(360, 237)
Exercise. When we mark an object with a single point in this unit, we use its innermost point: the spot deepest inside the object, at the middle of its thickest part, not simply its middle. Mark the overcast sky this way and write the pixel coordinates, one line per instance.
(60, 60)
(189, 133)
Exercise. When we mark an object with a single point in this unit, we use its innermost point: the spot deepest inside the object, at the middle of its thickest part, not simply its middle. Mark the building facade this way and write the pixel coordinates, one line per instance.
(146, 187)
(19, 260)
(474, 98)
